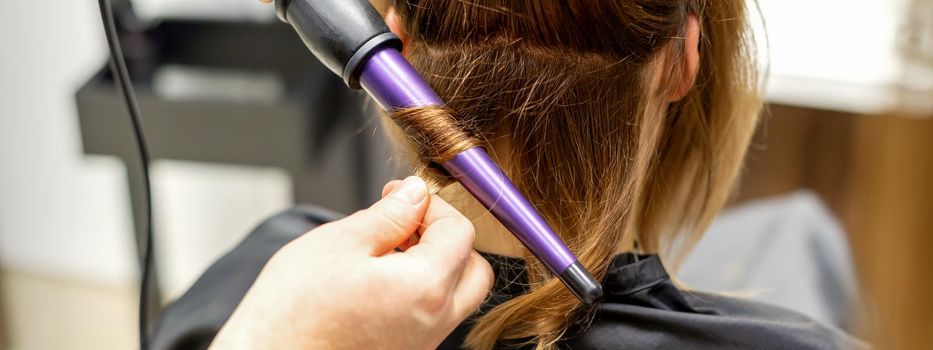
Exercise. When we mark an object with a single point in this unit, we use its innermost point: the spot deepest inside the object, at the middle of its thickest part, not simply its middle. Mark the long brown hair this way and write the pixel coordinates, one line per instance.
(561, 92)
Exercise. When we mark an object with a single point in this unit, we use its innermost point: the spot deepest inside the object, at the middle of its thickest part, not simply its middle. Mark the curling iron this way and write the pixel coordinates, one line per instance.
(353, 41)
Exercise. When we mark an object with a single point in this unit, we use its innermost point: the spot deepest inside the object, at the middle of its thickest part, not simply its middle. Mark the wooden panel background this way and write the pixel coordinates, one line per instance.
(876, 174)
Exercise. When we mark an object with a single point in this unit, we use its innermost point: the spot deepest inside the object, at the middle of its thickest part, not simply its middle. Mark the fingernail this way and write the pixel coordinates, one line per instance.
(412, 190)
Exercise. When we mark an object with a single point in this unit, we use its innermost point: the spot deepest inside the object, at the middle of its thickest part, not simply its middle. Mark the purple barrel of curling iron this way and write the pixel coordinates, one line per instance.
(352, 40)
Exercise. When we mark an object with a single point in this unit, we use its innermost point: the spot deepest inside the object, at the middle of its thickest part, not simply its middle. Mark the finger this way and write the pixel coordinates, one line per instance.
(446, 239)
(474, 286)
(390, 221)
(411, 241)
(390, 186)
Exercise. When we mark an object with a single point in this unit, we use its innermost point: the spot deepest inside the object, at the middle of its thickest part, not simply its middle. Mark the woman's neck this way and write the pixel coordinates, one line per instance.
(491, 236)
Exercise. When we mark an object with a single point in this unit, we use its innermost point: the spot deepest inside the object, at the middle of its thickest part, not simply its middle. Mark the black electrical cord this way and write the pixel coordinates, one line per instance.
(121, 79)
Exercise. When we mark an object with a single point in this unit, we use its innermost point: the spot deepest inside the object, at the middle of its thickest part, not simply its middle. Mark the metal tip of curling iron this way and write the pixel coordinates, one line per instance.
(581, 283)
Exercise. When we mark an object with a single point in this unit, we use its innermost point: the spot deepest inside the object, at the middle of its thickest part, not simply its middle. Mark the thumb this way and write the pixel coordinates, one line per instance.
(390, 221)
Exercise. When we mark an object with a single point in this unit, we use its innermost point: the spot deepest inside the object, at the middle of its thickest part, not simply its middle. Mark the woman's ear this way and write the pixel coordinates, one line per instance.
(395, 25)
(691, 58)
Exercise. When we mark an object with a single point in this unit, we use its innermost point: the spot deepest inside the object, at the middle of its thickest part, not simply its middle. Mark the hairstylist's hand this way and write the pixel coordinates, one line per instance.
(342, 286)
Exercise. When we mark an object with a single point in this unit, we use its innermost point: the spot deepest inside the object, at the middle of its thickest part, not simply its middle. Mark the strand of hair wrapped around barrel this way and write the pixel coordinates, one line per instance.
(435, 131)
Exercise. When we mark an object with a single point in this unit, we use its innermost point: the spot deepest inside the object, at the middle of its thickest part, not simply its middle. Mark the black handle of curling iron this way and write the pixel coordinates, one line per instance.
(342, 47)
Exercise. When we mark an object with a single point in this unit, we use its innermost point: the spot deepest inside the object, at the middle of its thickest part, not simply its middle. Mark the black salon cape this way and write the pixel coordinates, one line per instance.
(641, 310)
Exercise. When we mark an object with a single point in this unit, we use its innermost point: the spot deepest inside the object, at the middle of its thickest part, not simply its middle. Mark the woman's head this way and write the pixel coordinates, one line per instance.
(619, 119)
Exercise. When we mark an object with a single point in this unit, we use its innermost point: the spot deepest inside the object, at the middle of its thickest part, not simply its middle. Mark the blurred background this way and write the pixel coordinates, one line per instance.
(243, 123)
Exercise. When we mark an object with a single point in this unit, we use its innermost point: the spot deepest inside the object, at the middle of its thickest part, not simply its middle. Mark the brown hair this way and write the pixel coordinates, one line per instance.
(560, 93)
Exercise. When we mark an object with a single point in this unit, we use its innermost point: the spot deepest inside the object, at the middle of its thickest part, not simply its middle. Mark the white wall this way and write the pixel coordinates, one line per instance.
(60, 212)
(836, 54)
(66, 214)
